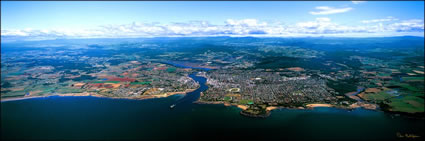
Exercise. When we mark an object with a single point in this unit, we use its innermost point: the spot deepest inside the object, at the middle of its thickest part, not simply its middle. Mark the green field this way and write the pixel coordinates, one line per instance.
(141, 83)
(14, 94)
(384, 74)
(245, 102)
(413, 78)
(227, 98)
(410, 104)
(171, 69)
(69, 90)
(378, 96)
(403, 85)
(115, 82)
(48, 89)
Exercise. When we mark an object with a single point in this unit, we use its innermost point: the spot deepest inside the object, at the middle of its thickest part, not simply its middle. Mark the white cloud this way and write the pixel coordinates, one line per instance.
(322, 26)
(319, 22)
(358, 2)
(245, 22)
(380, 20)
(408, 25)
(13, 33)
(323, 19)
(325, 10)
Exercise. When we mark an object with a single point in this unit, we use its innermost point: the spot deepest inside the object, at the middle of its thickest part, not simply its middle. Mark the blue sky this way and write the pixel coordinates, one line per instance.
(88, 17)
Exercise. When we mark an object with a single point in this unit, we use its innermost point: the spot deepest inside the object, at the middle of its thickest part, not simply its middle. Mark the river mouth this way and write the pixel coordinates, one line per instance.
(193, 96)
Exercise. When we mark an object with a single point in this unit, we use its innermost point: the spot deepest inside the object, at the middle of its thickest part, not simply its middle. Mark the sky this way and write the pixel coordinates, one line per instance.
(79, 19)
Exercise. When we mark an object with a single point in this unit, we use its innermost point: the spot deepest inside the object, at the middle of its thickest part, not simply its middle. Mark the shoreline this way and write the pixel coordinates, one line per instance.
(357, 105)
(319, 105)
(271, 108)
(243, 107)
(102, 96)
(143, 97)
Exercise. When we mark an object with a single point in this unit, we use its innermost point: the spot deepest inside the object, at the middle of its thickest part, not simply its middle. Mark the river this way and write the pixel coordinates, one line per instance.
(191, 97)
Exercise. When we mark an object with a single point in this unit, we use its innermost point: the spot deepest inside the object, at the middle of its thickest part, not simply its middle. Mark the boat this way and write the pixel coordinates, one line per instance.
(172, 106)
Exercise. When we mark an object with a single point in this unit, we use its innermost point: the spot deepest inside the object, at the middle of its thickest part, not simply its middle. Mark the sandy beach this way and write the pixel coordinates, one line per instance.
(243, 107)
(318, 105)
(271, 108)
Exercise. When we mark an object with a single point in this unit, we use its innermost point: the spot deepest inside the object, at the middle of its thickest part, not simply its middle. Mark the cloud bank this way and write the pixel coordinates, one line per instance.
(245, 27)
(380, 20)
(325, 10)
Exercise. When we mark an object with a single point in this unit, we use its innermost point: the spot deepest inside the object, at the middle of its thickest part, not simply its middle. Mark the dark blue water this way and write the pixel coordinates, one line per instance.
(103, 118)
(190, 97)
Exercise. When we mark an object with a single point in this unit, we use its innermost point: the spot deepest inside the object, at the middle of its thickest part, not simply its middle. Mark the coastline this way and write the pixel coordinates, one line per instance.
(143, 97)
(268, 108)
(319, 105)
(308, 106)
(243, 107)
(102, 96)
